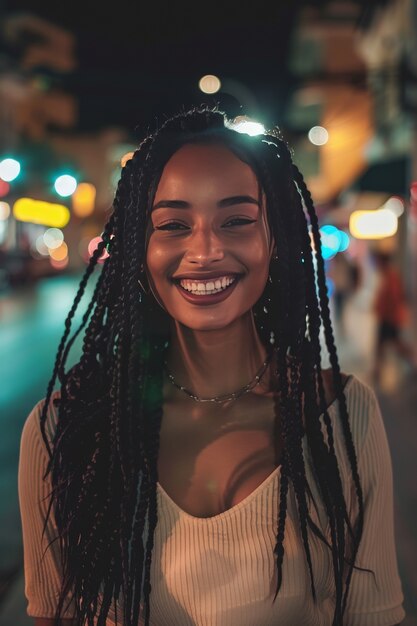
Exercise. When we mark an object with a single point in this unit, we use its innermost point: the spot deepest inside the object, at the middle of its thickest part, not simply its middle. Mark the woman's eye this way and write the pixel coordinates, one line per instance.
(170, 226)
(236, 221)
(240, 220)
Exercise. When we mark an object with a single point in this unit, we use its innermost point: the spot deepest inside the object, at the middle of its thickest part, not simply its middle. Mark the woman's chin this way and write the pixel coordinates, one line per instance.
(205, 326)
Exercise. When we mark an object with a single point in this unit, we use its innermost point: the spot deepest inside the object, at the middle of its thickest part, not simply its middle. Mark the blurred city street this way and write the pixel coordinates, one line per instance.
(31, 326)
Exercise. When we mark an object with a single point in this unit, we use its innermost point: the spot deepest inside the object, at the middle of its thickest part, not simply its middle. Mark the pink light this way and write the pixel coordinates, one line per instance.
(4, 188)
(93, 245)
(59, 265)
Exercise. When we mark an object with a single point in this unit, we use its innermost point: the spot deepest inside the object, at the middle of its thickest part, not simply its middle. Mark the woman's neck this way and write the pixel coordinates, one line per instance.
(216, 362)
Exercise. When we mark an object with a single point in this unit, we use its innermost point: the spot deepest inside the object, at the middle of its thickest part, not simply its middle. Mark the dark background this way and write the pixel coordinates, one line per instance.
(139, 60)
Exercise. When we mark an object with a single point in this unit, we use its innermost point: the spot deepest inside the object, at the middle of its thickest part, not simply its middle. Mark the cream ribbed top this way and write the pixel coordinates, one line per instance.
(220, 571)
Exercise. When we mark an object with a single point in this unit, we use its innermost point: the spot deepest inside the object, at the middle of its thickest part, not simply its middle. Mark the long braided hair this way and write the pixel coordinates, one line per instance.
(103, 458)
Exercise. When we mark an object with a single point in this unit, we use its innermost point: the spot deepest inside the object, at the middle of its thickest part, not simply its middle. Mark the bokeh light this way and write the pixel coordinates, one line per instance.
(59, 264)
(60, 253)
(373, 224)
(330, 241)
(330, 286)
(318, 135)
(9, 169)
(396, 205)
(41, 247)
(344, 241)
(209, 83)
(53, 238)
(92, 246)
(4, 188)
(40, 212)
(65, 185)
(83, 199)
(4, 210)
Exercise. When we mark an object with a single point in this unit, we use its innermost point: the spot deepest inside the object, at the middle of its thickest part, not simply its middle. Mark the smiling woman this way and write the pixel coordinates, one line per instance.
(209, 224)
(197, 466)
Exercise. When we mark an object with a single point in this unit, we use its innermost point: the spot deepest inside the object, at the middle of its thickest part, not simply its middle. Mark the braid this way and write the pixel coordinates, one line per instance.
(325, 458)
(137, 370)
(294, 328)
(90, 268)
(324, 303)
(279, 545)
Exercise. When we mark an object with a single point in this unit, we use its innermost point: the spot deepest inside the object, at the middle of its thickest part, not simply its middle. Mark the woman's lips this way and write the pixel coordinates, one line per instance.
(210, 298)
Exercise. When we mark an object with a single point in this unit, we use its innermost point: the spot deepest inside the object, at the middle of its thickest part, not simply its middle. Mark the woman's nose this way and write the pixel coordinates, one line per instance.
(204, 247)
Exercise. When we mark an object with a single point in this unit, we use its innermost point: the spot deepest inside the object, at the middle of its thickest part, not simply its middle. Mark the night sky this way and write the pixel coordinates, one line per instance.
(138, 61)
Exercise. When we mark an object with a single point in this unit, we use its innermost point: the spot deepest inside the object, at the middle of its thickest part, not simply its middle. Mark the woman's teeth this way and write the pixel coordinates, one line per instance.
(207, 288)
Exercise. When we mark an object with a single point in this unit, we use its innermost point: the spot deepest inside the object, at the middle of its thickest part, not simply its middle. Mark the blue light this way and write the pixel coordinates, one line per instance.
(344, 241)
(330, 240)
(329, 229)
(330, 286)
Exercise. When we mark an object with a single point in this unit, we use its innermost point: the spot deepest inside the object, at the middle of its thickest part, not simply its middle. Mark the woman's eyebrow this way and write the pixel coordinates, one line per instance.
(237, 200)
(225, 202)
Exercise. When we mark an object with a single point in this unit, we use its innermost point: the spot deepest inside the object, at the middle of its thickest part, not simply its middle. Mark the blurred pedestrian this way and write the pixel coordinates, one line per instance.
(392, 311)
(198, 465)
(344, 275)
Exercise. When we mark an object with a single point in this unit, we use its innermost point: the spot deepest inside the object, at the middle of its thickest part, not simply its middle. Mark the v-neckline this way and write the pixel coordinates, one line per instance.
(231, 510)
(253, 494)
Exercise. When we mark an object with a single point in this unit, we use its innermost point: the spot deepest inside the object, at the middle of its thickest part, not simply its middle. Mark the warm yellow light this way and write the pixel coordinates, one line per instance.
(373, 224)
(59, 254)
(83, 199)
(4, 210)
(40, 212)
(125, 158)
(209, 83)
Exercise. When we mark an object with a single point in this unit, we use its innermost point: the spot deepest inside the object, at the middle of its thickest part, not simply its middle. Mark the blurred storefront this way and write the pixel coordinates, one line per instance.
(38, 130)
(356, 81)
(388, 46)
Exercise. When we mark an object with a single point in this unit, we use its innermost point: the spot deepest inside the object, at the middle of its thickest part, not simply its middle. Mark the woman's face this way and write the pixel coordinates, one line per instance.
(209, 229)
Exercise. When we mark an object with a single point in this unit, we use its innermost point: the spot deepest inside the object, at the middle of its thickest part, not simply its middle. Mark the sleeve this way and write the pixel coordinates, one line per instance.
(376, 600)
(42, 568)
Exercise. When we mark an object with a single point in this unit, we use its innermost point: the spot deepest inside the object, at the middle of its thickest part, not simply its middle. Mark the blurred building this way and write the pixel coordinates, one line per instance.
(388, 45)
(355, 79)
(38, 128)
(330, 91)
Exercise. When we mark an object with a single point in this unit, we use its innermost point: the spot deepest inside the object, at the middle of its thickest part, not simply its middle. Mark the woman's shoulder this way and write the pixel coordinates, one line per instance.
(361, 404)
(351, 384)
(329, 385)
(32, 425)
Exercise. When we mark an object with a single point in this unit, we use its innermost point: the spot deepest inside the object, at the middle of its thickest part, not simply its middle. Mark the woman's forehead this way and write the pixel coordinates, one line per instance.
(206, 167)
